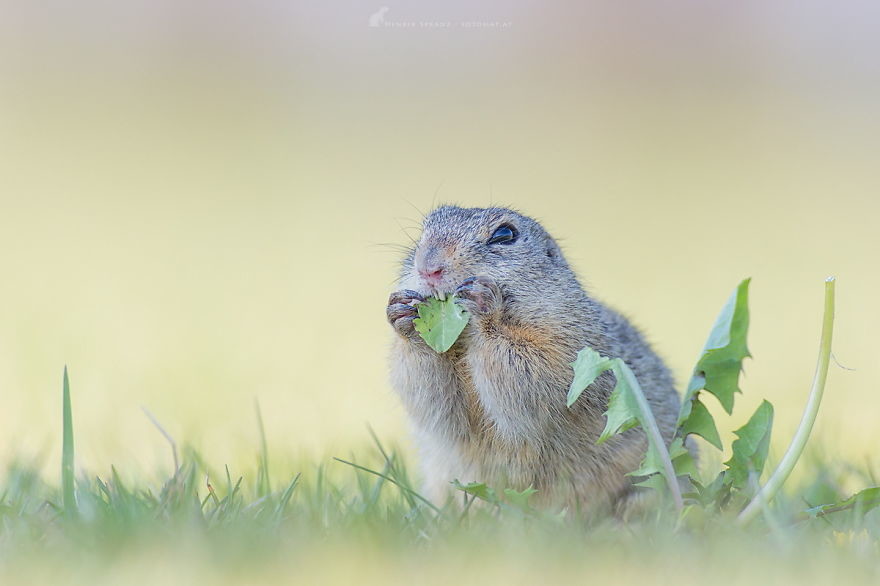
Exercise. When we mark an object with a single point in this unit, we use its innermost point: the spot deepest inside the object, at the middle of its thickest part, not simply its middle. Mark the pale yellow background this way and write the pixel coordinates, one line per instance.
(195, 199)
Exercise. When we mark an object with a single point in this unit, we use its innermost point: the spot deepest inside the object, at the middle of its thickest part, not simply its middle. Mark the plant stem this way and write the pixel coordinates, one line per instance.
(649, 424)
(796, 448)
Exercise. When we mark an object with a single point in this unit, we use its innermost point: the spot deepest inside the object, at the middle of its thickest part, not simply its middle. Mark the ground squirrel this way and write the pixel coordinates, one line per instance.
(492, 408)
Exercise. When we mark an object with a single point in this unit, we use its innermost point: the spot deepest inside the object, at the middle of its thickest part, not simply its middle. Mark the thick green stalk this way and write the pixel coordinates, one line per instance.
(649, 424)
(780, 475)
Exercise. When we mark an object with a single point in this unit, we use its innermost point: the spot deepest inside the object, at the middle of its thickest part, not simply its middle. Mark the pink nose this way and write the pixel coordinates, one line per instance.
(432, 277)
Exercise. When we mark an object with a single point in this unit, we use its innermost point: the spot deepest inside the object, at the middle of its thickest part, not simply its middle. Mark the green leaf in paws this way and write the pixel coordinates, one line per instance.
(440, 323)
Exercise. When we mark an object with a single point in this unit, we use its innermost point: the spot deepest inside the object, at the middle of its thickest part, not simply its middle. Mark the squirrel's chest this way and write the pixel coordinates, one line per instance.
(470, 400)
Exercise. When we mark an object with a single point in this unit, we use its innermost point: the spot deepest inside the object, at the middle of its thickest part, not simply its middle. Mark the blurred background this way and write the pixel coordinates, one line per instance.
(196, 200)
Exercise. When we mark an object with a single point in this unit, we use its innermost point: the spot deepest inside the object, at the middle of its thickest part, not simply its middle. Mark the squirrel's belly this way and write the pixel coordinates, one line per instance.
(474, 460)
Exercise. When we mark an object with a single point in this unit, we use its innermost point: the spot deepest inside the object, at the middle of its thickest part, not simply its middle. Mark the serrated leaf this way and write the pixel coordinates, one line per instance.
(714, 492)
(519, 499)
(627, 408)
(477, 489)
(440, 323)
(862, 502)
(700, 422)
(588, 365)
(654, 481)
(622, 413)
(750, 449)
(720, 364)
(650, 465)
(682, 460)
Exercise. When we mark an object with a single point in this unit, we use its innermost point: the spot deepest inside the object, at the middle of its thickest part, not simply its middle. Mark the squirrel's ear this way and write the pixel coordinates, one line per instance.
(553, 252)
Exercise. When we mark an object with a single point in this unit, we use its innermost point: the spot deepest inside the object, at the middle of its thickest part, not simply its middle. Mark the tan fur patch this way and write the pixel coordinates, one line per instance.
(546, 343)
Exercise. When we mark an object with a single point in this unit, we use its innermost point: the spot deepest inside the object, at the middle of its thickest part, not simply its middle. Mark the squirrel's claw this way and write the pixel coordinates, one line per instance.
(479, 295)
(406, 297)
(401, 311)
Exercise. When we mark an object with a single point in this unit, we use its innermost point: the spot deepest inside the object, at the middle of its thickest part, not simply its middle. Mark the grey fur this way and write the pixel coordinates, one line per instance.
(492, 408)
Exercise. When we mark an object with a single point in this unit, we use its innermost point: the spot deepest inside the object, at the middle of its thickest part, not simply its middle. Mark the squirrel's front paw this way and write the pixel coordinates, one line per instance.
(402, 310)
(480, 296)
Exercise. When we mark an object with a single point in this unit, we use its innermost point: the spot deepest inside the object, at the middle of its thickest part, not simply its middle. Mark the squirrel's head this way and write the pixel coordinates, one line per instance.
(457, 243)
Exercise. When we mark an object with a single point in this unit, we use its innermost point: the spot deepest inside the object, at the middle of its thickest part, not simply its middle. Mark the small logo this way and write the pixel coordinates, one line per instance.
(377, 19)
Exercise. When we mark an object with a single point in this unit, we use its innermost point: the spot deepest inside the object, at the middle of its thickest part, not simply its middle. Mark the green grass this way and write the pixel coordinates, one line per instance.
(361, 519)
(213, 520)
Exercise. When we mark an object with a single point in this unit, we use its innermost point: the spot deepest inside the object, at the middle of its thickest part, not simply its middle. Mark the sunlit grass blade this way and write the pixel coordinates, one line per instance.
(285, 498)
(390, 468)
(399, 485)
(166, 435)
(68, 480)
(263, 483)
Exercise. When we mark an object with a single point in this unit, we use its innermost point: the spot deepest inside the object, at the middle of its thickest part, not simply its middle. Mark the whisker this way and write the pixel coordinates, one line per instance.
(392, 246)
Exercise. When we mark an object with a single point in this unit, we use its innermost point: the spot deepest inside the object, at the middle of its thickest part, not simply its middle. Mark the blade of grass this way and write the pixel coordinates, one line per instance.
(392, 470)
(377, 488)
(285, 498)
(166, 435)
(405, 489)
(263, 484)
(799, 441)
(67, 454)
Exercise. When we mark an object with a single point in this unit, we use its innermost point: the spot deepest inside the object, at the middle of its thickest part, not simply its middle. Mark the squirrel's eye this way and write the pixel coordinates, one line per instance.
(504, 234)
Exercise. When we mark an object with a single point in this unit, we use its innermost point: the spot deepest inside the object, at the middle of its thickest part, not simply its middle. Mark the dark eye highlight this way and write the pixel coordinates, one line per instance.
(504, 234)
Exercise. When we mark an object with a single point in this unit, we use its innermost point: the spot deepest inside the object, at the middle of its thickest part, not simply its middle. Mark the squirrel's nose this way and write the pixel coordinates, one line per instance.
(431, 275)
